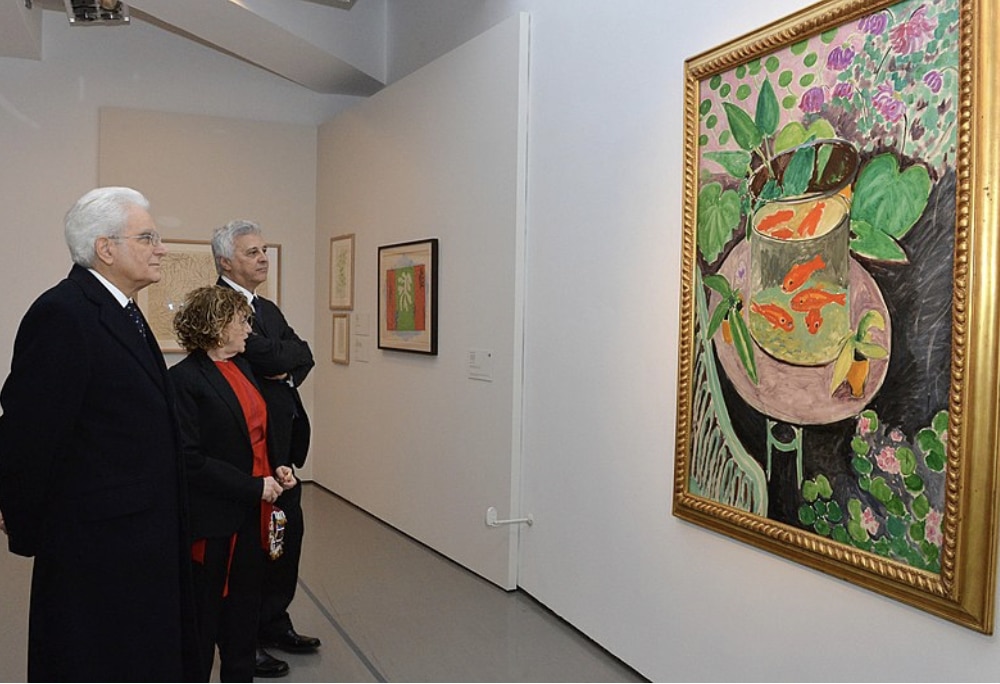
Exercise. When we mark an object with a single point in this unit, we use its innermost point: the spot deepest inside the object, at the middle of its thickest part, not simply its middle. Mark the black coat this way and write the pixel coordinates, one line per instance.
(216, 445)
(273, 349)
(92, 486)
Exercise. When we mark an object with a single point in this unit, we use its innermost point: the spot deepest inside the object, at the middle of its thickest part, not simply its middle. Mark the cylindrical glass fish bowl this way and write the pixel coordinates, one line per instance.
(799, 274)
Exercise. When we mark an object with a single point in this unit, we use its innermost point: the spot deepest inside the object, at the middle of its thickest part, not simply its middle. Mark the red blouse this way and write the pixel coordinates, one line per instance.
(255, 413)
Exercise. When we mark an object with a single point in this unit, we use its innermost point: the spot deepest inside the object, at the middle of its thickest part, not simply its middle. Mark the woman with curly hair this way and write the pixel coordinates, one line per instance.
(232, 486)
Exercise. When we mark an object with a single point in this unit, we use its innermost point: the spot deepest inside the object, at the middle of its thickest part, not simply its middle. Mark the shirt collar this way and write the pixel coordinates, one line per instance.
(239, 288)
(118, 294)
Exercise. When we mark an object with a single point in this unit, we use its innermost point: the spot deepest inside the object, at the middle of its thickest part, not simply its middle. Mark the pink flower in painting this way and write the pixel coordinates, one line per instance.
(874, 23)
(932, 528)
(844, 90)
(888, 102)
(812, 100)
(864, 425)
(934, 80)
(896, 435)
(887, 460)
(840, 58)
(868, 521)
(911, 35)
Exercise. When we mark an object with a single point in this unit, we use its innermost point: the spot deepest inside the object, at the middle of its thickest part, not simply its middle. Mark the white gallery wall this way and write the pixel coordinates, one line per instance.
(605, 148)
(413, 439)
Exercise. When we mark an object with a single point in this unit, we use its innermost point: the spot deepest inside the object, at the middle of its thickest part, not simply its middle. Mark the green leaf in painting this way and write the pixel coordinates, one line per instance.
(881, 491)
(735, 162)
(799, 171)
(744, 345)
(940, 422)
(857, 531)
(890, 200)
(810, 492)
(895, 506)
(913, 483)
(747, 135)
(718, 316)
(718, 283)
(871, 350)
(718, 217)
(794, 134)
(807, 516)
(767, 109)
(896, 527)
(907, 460)
(875, 244)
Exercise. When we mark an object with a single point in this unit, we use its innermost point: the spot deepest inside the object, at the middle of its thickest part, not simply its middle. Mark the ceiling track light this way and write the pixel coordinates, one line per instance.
(340, 4)
(96, 12)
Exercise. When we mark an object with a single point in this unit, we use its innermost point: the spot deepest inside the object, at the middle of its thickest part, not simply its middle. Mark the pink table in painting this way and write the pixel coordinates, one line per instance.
(800, 395)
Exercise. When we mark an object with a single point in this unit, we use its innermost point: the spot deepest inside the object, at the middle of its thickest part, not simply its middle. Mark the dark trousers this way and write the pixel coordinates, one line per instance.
(231, 621)
(281, 576)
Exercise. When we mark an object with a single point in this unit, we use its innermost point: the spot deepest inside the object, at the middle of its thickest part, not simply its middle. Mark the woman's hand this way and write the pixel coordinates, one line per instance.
(271, 490)
(286, 477)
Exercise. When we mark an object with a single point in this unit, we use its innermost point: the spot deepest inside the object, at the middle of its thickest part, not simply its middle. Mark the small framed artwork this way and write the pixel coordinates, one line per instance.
(342, 273)
(188, 264)
(342, 339)
(407, 296)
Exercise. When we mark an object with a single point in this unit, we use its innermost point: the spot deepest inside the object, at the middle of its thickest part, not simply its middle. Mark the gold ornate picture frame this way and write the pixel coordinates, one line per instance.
(837, 381)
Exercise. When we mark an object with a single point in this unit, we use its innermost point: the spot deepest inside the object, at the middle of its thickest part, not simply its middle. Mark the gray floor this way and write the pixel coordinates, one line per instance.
(388, 609)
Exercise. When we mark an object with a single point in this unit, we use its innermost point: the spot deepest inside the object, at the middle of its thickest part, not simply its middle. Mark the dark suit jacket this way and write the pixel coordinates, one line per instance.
(216, 446)
(91, 485)
(273, 348)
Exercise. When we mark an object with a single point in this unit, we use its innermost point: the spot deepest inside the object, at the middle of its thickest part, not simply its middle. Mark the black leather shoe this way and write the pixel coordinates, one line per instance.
(267, 666)
(292, 642)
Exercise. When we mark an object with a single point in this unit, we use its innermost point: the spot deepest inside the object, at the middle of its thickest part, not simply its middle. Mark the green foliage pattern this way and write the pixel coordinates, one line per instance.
(890, 513)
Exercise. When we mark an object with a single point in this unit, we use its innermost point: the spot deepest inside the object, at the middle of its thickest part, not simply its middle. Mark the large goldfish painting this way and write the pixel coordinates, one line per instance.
(823, 341)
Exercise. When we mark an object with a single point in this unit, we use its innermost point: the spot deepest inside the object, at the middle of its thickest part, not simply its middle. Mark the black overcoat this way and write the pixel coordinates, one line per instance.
(92, 486)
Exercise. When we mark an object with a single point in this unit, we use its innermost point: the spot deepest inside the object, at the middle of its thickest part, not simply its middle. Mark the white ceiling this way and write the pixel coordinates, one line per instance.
(229, 26)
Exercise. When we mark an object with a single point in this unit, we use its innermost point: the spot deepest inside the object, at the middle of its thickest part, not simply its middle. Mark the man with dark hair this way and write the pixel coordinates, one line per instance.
(281, 360)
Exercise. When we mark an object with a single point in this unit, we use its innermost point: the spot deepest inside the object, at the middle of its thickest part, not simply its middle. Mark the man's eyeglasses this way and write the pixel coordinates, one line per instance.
(152, 238)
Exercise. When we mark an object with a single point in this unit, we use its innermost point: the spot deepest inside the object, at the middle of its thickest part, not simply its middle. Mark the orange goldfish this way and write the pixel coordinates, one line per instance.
(775, 315)
(813, 321)
(799, 273)
(774, 220)
(782, 233)
(816, 298)
(811, 221)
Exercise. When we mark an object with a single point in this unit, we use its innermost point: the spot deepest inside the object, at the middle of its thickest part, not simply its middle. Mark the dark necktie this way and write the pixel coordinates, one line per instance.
(136, 316)
(258, 322)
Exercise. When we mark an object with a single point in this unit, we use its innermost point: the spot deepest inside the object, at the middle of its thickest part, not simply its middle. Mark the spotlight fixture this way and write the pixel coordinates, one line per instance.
(96, 12)
(339, 4)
